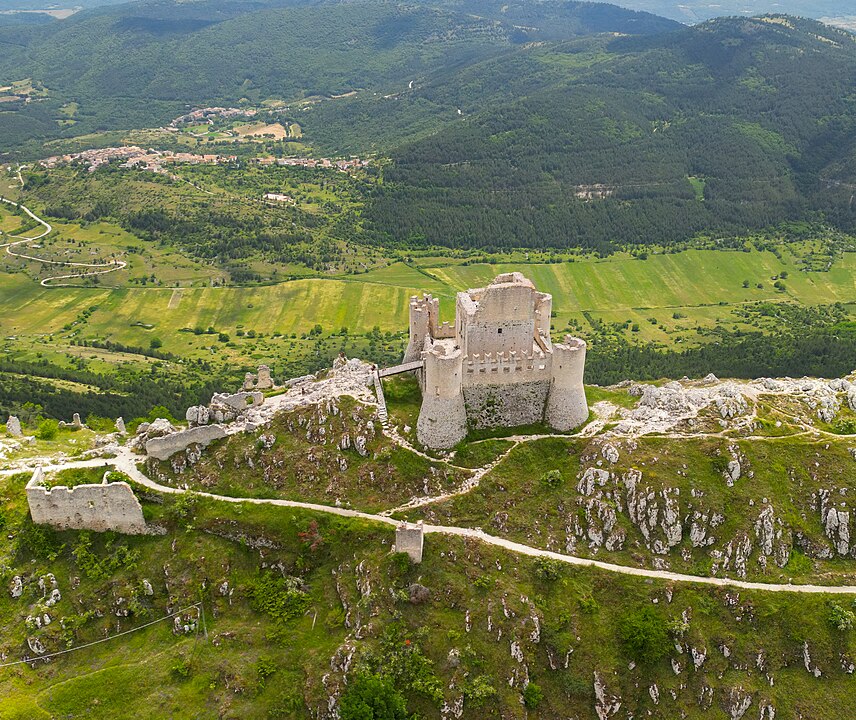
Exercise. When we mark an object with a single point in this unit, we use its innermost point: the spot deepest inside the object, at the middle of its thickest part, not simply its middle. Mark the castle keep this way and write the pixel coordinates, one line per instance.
(496, 366)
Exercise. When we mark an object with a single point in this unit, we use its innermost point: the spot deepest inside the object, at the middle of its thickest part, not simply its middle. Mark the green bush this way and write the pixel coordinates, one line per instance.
(278, 597)
(547, 569)
(532, 696)
(645, 634)
(48, 430)
(478, 691)
(552, 478)
(372, 697)
(841, 618)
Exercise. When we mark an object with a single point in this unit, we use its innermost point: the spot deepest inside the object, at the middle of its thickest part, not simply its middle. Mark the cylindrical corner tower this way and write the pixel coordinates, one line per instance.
(443, 417)
(566, 404)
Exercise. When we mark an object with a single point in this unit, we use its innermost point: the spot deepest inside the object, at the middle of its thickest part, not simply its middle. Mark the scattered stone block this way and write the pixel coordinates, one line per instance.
(13, 427)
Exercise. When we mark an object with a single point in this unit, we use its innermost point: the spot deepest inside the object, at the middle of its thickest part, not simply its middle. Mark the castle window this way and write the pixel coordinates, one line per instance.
(499, 331)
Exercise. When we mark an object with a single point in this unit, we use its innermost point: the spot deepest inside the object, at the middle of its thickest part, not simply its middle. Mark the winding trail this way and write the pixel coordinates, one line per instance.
(126, 462)
(103, 268)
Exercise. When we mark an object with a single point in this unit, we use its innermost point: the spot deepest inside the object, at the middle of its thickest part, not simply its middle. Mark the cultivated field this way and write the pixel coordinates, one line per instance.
(681, 292)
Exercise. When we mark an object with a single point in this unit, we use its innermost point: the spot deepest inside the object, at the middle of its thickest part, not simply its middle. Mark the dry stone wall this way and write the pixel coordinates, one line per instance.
(108, 506)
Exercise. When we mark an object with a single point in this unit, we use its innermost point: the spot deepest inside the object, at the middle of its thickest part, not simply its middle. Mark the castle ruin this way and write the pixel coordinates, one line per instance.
(496, 365)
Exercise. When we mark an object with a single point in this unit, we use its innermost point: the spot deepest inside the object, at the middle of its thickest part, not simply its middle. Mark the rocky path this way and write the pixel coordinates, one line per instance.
(95, 268)
(126, 462)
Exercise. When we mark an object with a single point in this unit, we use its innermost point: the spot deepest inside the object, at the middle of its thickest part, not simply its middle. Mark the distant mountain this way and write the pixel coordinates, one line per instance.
(726, 127)
(695, 11)
(140, 63)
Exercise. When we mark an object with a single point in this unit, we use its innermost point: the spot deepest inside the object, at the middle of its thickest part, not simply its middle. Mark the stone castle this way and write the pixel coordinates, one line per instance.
(496, 366)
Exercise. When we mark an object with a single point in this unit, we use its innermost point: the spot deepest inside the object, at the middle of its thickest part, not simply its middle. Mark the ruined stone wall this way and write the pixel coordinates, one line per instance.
(409, 538)
(506, 405)
(164, 447)
(109, 506)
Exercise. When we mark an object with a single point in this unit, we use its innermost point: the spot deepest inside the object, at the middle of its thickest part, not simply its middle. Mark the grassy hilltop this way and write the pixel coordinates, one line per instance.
(303, 609)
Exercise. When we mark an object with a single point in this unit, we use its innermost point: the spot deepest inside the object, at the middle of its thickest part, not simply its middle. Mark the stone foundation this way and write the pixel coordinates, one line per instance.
(506, 405)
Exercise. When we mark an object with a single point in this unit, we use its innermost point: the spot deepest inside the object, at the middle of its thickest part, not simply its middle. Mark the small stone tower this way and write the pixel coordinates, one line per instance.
(443, 417)
(423, 321)
(566, 402)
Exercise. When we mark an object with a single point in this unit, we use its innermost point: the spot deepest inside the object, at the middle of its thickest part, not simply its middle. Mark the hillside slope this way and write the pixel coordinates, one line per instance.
(141, 63)
(726, 127)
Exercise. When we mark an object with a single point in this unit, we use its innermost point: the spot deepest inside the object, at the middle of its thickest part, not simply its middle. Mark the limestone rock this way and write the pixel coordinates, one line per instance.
(36, 646)
(16, 588)
(610, 453)
(738, 703)
(13, 426)
(197, 415)
(836, 523)
(606, 705)
(120, 426)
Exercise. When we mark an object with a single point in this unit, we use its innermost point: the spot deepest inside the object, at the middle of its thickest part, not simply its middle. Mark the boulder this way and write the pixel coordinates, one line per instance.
(419, 594)
(13, 426)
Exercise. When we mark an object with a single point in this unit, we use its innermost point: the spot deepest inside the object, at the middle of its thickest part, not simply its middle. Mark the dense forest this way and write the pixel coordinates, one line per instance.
(726, 127)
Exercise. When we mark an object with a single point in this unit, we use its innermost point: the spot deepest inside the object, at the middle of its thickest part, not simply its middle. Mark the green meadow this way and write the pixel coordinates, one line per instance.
(668, 297)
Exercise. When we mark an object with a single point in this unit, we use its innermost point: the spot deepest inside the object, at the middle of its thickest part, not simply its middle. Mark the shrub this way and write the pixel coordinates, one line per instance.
(841, 618)
(372, 697)
(48, 430)
(180, 669)
(552, 478)
(547, 569)
(645, 634)
(478, 691)
(265, 667)
(483, 583)
(278, 597)
(532, 696)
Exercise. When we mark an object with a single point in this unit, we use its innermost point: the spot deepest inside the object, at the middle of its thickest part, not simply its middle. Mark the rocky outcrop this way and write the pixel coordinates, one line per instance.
(162, 448)
(606, 705)
(656, 514)
(836, 522)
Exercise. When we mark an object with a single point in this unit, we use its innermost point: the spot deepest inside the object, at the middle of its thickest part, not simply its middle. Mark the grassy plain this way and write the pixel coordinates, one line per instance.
(681, 292)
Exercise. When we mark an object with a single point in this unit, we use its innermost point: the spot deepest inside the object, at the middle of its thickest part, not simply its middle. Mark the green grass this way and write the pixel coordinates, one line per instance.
(779, 476)
(348, 575)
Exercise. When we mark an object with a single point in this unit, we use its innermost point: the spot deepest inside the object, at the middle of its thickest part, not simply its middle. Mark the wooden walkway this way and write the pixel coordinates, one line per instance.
(403, 368)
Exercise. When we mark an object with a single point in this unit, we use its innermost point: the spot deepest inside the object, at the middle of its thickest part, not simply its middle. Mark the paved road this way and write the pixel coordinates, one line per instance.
(126, 462)
(104, 268)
